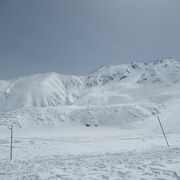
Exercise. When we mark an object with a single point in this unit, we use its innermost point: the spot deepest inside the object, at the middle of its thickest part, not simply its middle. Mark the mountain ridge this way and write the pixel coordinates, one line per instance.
(52, 89)
(109, 96)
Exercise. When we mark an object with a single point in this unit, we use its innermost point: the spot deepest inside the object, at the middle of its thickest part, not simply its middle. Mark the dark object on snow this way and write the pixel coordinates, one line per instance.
(163, 130)
(87, 125)
(11, 142)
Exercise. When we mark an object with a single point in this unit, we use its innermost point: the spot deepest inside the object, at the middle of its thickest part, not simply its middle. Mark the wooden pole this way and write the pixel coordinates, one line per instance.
(11, 142)
(163, 130)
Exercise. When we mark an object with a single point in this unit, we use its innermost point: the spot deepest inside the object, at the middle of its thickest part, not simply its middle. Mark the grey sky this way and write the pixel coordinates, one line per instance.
(77, 36)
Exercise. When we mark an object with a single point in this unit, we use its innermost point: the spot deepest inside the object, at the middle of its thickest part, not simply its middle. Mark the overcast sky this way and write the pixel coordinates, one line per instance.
(77, 36)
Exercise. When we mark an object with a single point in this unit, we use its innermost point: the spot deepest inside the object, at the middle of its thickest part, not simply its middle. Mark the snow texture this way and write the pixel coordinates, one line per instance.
(100, 126)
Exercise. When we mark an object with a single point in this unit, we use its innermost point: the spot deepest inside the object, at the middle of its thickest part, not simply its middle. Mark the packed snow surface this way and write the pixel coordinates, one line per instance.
(89, 154)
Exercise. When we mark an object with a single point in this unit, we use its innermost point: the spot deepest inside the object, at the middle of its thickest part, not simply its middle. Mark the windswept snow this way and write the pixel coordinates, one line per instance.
(40, 90)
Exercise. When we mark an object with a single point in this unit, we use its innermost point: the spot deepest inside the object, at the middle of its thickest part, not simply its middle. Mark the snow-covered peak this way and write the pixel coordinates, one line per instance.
(50, 89)
(166, 70)
(106, 84)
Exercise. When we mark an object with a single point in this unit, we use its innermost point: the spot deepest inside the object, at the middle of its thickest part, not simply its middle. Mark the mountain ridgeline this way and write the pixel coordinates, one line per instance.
(52, 89)
(135, 90)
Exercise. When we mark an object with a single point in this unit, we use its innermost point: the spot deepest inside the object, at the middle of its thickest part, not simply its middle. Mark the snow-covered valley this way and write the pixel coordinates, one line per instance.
(100, 126)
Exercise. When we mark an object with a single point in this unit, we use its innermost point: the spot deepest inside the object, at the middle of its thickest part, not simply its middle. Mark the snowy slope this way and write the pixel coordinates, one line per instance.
(118, 104)
(39, 91)
(126, 96)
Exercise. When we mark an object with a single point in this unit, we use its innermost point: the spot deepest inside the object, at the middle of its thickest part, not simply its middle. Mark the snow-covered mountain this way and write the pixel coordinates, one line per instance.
(121, 95)
(39, 90)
